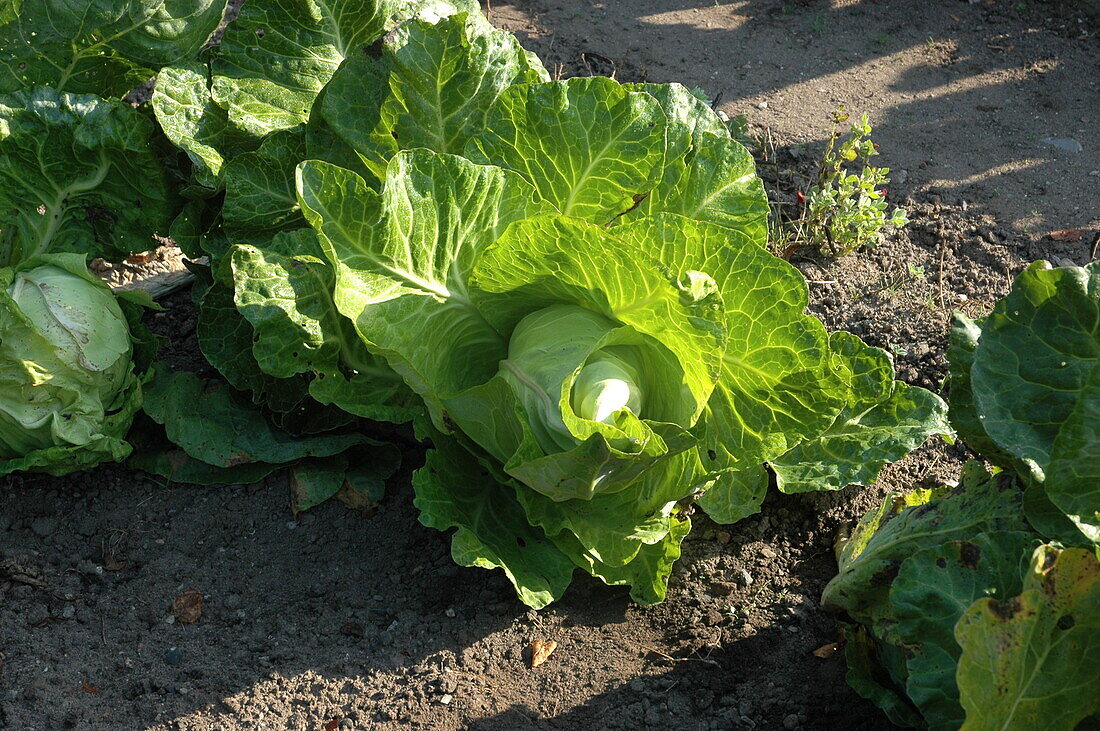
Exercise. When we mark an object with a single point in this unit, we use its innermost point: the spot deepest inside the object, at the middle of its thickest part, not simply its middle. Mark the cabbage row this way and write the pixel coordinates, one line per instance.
(981, 608)
(564, 285)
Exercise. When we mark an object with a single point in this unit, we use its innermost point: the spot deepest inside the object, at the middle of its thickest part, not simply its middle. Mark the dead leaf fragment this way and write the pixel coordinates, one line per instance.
(1069, 235)
(353, 629)
(22, 570)
(540, 651)
(332, 725)
(188, 606)
(87, 688)
(827, 651)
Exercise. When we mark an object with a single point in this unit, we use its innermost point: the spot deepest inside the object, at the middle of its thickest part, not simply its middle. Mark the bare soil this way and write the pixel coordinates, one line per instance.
(338, 619)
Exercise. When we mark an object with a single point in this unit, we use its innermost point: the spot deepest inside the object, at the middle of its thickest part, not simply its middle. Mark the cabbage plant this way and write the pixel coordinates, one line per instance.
(981, 608)
(563, 284)
(68, 384)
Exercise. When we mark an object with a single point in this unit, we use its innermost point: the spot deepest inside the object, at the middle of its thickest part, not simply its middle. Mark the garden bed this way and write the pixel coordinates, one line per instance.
(359, 619)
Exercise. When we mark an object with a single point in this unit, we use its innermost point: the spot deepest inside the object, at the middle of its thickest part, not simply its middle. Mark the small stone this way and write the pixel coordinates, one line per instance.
(744, 578)
(86, 527)
(44, 527)
(291, 525)
(36, 687)
(446, 699)
(762, 105)
(723, 537)
(450, 612)
(791, 722)
(68, 612)
(1065, 144)
(722, 588)
(173, 657)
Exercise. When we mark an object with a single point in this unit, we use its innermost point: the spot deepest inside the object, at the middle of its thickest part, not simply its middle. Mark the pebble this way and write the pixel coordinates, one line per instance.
(44, 527)
(791, 721)
(450, 612)
(173, 657)
(744, 578)
(1065, 144)
(446, 699)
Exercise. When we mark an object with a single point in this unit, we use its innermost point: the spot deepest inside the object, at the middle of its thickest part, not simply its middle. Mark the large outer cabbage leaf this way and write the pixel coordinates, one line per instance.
(881, 422)
(453, 490)
(588, 145)
(933, 590)
(78, 174)
(1073, 475)
(1033, 661)
(775, 388)
(430, 87)
(982, 503)
(403, 260)
(266, 74)
(1024, 393)
(1034, 356)
(104, 47)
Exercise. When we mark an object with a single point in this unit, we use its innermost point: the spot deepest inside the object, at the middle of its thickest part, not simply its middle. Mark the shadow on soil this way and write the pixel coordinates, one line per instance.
(963, 94)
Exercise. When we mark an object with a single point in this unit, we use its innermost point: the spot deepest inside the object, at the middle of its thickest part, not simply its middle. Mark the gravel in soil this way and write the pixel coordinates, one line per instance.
(337, 619)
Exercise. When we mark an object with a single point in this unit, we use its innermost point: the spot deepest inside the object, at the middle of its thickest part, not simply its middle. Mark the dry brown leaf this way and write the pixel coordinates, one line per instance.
(827, 651)
(1069, 235)
(188, 606)
(540, 651)
(332, 725)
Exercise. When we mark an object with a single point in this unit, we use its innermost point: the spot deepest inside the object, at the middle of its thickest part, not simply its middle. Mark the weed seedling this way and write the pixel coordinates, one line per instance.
(846, 210)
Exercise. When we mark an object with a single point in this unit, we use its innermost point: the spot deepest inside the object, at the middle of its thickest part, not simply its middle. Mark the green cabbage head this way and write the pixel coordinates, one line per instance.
(68, 390)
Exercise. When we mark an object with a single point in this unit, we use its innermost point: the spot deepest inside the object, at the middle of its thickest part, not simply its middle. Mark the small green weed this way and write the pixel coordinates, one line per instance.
(846, 208)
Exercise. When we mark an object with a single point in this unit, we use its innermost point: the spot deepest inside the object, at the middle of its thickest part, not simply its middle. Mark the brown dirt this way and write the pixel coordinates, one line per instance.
(339, 620)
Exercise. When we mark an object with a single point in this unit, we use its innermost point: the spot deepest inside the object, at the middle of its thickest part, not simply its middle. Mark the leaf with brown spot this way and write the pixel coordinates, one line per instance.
(540, 651)
(1069, 235)
(1034, 661)
(188, 606)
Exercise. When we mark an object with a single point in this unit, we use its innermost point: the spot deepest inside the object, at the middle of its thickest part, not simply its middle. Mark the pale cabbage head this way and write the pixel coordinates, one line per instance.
(66, 366)
(569, 366)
